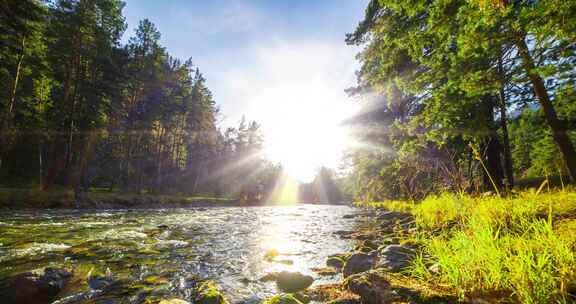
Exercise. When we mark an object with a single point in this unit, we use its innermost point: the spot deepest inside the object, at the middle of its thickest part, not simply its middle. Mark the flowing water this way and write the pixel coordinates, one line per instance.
(158, 251)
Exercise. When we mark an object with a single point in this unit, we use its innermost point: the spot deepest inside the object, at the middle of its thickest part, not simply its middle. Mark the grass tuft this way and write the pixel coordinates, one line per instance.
(520, 247)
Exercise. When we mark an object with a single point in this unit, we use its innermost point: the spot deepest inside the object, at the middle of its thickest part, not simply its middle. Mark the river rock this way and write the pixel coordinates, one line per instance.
(395, 258)
(174, 301)
(337, 261)
(358, 262)
(367, 246)
(32, 288)
(293, 281)
(324, 271)
(345, 301)
(282, 299)
(344, 234)
(394, 216)
(207, 293)
(371, 286)
(99, 282)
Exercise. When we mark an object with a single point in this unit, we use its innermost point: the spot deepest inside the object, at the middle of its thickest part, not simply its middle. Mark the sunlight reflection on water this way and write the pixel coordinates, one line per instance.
(234, 246)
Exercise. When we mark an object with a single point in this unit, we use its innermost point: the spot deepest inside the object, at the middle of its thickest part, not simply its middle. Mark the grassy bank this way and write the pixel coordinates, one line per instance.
(520, 247)
(61, 198)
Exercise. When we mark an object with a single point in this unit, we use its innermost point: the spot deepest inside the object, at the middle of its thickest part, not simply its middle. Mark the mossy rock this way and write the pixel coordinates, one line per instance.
(207, 293)
(282, 299)
(337, 260)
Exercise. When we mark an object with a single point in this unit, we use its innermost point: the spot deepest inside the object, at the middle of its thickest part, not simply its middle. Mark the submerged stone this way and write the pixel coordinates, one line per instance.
(99, 282)
(293, 281)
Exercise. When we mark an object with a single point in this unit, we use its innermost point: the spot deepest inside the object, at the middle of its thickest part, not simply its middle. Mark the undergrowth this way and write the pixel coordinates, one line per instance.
(519, 247)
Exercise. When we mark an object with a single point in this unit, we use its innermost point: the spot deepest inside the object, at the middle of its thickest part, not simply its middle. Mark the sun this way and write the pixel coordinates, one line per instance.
(303, 129)
(303, 149)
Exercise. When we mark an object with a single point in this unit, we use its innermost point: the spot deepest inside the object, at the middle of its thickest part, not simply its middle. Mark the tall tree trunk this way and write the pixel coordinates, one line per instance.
(6, 122)
(558, 131)
(508, 165)
(492, 147)
(493, 163)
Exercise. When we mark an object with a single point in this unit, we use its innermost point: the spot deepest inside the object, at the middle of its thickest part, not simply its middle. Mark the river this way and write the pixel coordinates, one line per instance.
(158, 250)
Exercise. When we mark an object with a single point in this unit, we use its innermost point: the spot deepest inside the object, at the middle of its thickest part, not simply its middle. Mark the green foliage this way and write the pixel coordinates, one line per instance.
(78, 109)
(533, 149)
(520, 246)
(438, 75)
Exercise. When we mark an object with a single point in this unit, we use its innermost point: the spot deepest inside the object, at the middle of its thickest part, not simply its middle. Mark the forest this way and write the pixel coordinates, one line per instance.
(457, 184)
(463, 97)
(81, 109)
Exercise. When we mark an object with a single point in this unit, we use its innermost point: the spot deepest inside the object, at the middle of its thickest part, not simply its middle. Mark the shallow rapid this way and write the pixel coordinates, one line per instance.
(234, 246)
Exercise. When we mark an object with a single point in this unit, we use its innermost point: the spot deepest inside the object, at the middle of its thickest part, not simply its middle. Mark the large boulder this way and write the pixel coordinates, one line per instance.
(358, 262)
(395, 258)
(34, 288)
(207, 293)
(371, 286)
(282, 299)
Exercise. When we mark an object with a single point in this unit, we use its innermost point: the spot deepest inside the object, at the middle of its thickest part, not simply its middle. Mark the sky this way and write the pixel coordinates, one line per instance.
(283, 64)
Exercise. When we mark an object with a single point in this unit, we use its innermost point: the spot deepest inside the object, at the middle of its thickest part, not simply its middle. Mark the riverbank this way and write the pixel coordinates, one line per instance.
(446, 249)
(32, 198)
(449, 248)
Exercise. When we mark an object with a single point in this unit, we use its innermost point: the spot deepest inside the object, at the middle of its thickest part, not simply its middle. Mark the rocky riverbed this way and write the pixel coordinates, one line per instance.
(298, 254)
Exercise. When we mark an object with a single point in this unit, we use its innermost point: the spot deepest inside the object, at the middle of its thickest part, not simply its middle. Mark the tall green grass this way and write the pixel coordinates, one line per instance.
(519, 247)
(502, 244)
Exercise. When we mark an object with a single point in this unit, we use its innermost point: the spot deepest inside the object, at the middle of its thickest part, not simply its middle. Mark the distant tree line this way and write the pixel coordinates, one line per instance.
(79, 109)
(324, 188)
(463, 95)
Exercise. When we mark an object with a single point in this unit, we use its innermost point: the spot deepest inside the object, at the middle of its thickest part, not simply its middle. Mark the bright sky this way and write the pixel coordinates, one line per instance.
(281, 63)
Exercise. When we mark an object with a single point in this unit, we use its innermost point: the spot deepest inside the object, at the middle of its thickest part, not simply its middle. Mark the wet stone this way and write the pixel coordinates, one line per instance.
(324, 271)
(173, 301)
(395, 258)
(282, 299)
(371, 286)
(208, 293)
(337, 260)
(33, 288)
(358, 262)
(293, 281)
